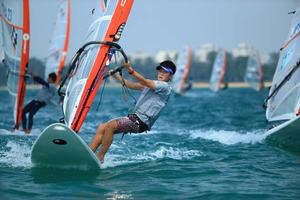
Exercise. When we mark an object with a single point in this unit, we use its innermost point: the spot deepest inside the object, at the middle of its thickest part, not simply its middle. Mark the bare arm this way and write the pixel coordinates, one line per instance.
(141, 80)
(129, 84)
(40, 81)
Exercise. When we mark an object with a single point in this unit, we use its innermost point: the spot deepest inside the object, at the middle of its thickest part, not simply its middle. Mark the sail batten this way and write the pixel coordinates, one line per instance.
(283, 100)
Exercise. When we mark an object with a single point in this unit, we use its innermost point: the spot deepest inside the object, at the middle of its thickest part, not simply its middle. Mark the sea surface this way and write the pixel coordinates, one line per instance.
(203, 146)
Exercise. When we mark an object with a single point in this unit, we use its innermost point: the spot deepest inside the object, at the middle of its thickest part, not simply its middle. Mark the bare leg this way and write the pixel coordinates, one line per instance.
(107, 139)
(97, 140)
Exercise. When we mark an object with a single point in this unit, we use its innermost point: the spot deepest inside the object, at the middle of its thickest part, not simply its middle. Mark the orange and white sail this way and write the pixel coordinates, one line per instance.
(254, 71)
(87, 78)
(218, 71)
(59, 43)
(183, 68)
(15, 34)
(283, 102)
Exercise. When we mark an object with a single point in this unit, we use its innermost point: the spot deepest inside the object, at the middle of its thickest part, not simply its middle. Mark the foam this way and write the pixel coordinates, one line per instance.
(229, 137)
(34, 132)
(16, 155)
(146, 156)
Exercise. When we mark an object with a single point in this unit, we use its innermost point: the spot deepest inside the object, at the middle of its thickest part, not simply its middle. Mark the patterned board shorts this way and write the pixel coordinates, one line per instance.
(130, 124)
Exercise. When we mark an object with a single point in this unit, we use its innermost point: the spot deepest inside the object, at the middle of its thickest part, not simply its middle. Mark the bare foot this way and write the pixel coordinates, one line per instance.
(101, 158)
(27, 131)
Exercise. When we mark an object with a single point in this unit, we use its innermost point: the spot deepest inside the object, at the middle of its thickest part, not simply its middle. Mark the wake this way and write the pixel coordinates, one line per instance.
(230, 137)
(15, 155)
(161, 152)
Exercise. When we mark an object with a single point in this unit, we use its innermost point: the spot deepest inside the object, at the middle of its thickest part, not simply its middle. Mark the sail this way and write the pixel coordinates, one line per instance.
(60, 41)
(15, 33)
(284, 97)
(218, 71)
(87, 78)
(254, 71)
(1, 41)
(183, 68)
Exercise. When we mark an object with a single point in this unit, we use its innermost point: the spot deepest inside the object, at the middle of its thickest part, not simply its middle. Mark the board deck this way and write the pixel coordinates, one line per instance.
(59, 146)
(286, 135)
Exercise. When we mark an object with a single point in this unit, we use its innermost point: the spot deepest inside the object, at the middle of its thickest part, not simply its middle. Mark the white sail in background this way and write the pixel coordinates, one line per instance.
(15, 34)
(284, 97)
(183, 67)
(218, 71)
(1, 44)
(254, 71)
(60, 40)
(1, 38)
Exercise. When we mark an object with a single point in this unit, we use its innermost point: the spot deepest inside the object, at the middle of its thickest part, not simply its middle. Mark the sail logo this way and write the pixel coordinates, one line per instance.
(14, 37)
(26, 39)
(62, 12)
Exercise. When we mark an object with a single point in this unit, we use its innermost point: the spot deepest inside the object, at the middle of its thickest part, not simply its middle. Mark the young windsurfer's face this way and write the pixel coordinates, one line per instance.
(50, 80)
(162, 75)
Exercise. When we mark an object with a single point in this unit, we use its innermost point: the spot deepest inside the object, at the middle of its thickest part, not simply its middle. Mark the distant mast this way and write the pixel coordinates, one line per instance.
(218, 71)
(15, 34)
(84, 84)
(59, 44)
(183, 68)
(254, 71)
(283, 102)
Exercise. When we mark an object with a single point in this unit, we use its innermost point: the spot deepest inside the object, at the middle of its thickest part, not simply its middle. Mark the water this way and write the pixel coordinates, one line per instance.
(204, 146)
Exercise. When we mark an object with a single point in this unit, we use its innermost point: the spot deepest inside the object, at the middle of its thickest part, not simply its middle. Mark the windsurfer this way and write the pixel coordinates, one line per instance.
(46, 93)
(154, 97)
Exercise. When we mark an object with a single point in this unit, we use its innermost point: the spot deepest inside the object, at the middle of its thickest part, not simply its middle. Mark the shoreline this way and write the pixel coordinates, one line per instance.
(197, 85)
(230, 85)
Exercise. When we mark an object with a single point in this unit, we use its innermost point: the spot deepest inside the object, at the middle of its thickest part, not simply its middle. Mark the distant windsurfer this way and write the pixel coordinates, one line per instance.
(154, 97)
(43, 97)
(187, 87)
(225, 86)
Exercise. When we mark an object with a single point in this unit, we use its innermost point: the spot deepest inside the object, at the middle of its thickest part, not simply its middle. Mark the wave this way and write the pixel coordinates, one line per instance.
(34, 132)
(229, 137)
(162, 152)
(14, 154)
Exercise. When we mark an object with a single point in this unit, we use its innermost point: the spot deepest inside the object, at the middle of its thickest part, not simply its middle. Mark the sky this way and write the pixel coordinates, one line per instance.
(155, 25)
